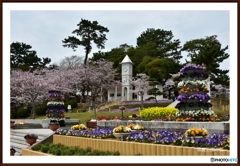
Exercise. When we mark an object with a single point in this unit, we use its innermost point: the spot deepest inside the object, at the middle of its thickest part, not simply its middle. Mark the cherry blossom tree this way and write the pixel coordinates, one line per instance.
(32, 88)
(29, 88)
(141, 85)
(98, 77)
(72, 61)
(220, 91)
(60, 79)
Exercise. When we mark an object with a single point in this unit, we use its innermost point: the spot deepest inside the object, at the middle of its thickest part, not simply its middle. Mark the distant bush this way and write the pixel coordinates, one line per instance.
(13, 113)
(23, 112)
(41, 109)
(72, 102)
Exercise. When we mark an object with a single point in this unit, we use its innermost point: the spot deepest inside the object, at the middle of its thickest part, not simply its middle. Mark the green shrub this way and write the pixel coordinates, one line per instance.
(59, 149)
(41, 109)
(37, 147)
(57, 152)
(45, 148)
(51, 150)
(80, 152)
(72, 102)
(23, 112)
(158, 112)
(116, 153)
(13, 113)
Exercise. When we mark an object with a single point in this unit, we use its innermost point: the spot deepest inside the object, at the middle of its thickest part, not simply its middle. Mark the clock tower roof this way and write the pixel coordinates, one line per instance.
(126, 60)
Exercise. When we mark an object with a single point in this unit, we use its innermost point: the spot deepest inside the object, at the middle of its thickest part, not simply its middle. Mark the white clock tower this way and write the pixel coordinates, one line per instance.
(126, 76)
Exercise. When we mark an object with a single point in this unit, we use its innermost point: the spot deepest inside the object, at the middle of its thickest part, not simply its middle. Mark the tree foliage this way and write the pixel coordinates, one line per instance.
(31, 88)
(140, 85)
(28, 88)
(169, 86)
(208, 51)
(72, 61)
(162, 43)
(88, 32)
(22, 57)
(154, 90)
(160, 68)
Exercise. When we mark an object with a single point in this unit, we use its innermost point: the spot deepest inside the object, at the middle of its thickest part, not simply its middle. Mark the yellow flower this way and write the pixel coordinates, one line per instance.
(192, 132)
(196, 132)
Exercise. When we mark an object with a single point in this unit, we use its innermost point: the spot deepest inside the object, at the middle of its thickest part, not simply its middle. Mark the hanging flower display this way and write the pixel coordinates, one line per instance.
(55, 106)
(191, 66)
(198, 96)
(197, 84)
(194, 100)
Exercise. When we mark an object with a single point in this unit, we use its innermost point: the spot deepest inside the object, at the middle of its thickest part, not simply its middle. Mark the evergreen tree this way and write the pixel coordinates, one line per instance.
(162, 42)
(88, 32)
(22, 57)
(208, 51)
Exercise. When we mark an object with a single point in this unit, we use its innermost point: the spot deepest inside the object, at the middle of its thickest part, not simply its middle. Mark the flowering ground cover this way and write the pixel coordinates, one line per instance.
(178, 138)
(218, 118)
(133, 106)
(145, 102)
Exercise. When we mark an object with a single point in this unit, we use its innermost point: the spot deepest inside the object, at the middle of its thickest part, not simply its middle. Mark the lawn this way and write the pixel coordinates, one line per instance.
(84, 116)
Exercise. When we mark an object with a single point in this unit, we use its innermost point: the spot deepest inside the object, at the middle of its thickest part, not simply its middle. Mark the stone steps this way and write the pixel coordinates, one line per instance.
(109, 105)
(173, 104)
(18, 142)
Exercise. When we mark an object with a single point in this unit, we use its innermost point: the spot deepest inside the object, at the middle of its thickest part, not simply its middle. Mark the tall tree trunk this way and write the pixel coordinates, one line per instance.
(142, 101)
(83, 95)
(33, 111)
(86, 54)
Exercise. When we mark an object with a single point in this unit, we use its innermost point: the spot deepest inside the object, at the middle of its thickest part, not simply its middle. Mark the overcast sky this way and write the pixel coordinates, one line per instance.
(44, 30)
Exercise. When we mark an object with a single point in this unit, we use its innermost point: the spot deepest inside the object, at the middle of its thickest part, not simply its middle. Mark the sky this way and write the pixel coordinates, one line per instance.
(44, 30)
(44, 26)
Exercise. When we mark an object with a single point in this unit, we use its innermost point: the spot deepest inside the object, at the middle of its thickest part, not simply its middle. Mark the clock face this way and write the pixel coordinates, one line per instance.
(125, 69)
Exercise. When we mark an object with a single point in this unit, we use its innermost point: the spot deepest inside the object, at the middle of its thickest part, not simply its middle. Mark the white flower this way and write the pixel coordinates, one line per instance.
(128, 129)
(55, 103)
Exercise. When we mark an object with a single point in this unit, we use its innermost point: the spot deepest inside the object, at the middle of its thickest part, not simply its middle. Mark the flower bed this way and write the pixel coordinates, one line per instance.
(168, 117)
(166, 137)
(133, 148)
(24, 125)
(145, 102)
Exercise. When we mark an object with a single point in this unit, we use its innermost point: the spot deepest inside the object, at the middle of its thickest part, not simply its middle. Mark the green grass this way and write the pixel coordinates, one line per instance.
(84, 116)
(217, 106)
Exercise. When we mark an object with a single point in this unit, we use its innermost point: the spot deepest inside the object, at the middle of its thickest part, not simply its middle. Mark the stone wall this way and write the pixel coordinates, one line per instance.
(218, 127)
